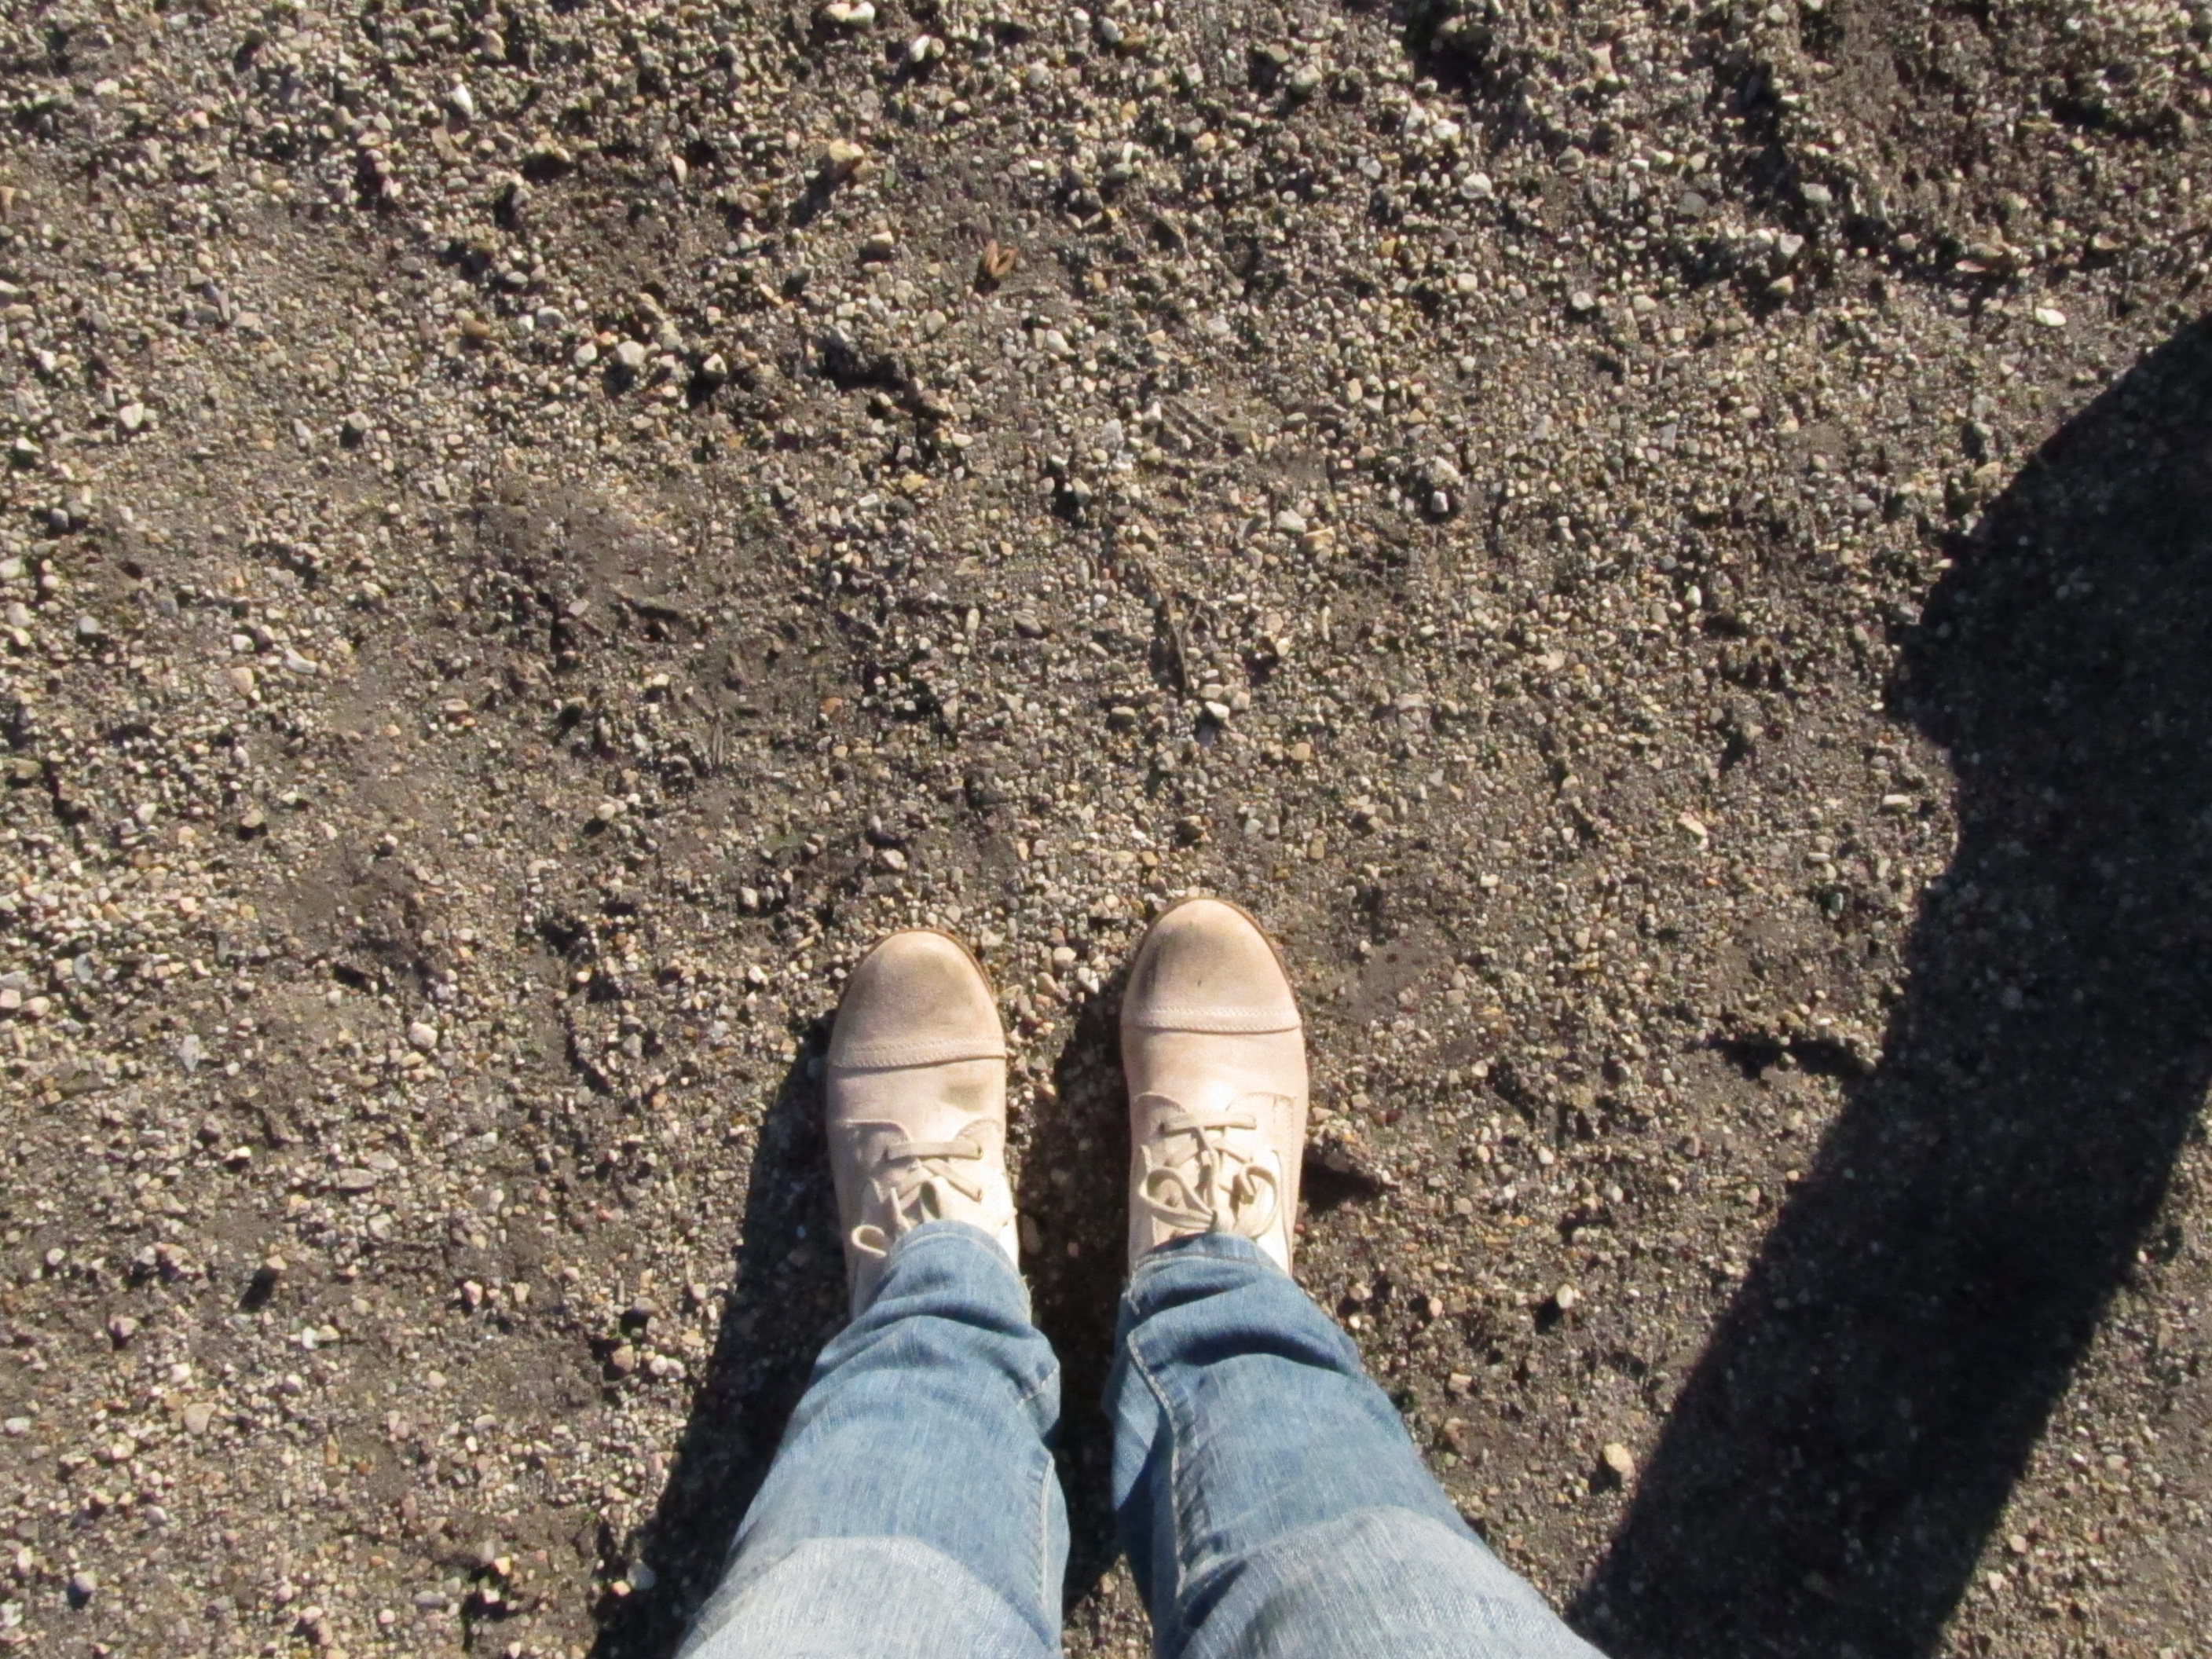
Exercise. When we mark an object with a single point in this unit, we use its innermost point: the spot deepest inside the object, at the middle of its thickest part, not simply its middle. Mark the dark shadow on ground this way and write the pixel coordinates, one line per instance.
(1835, 1462)
(1074, 1183)
(787, 1299)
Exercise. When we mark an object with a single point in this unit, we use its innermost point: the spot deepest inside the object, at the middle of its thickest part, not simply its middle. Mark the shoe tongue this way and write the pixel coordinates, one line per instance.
(1212, 1105)
(937, 1125)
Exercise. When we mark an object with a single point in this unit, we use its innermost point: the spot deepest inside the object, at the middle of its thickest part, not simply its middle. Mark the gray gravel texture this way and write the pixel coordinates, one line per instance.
(1663, 549)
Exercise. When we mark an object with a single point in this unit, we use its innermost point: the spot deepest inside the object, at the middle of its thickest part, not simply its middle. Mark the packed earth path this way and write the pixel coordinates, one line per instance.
(1665, 549)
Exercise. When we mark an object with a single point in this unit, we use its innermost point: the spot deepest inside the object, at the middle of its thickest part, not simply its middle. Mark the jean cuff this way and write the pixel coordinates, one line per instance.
(933, 1237)
(1199, 1247)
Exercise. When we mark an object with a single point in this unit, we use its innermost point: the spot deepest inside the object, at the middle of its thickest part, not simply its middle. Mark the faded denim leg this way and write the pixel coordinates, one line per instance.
(913, 1512)
(1270, 1499)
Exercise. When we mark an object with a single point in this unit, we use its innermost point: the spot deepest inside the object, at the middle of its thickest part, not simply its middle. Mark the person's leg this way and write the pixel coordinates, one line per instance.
(913, 1512)
(1270, 1499)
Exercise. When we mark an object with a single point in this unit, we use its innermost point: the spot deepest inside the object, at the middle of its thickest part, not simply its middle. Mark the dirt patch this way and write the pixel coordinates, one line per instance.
(1657, 549)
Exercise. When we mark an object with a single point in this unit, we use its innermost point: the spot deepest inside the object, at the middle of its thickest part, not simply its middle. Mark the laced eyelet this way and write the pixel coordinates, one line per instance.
(1203, 1171)
(914, 1181)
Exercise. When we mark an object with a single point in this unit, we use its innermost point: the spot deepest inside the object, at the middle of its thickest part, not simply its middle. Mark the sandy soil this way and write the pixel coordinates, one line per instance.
(1662, 550)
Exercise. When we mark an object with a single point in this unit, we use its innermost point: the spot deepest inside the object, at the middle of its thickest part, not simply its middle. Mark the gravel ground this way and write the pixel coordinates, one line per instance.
(1662, 548)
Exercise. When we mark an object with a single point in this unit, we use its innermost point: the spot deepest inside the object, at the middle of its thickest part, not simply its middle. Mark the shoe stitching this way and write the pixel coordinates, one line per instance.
(1199, 1017)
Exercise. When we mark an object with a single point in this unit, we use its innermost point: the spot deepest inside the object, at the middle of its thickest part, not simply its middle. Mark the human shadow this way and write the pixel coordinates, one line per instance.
(1838, 1457)
(786, 1298)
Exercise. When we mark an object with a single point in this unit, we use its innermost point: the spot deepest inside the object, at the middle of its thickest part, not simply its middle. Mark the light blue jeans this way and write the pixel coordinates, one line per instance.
(1270, 1500)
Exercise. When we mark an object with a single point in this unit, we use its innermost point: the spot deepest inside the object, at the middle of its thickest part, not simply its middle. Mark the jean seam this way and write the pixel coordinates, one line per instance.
(1025, 1400)
(1038, 1387)
(1171, 1419)
(1044, 1534)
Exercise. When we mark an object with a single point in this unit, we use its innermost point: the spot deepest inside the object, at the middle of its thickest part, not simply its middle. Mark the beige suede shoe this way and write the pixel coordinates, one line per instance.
(1216, 1060)
(917, 1102)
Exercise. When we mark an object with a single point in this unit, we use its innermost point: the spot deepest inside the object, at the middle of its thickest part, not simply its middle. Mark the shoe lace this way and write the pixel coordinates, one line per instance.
(916, 1181)
(1202, 1172)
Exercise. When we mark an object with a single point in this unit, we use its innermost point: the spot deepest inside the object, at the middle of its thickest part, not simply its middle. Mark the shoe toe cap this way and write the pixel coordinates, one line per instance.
(918, 999)
(1206, 966)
